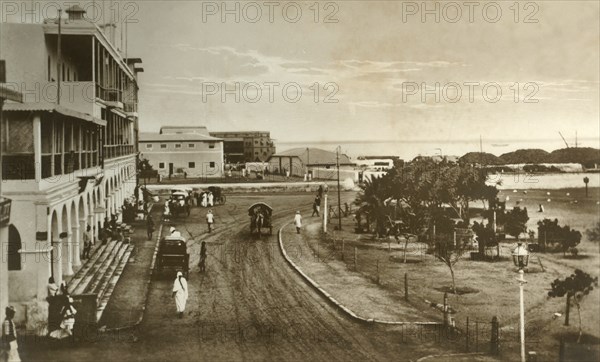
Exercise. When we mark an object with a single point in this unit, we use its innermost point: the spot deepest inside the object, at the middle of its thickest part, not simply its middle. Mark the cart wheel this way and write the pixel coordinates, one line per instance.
(223, 200)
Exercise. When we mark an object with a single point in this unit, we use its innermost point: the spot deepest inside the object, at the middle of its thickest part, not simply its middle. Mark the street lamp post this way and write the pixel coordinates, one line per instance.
(338, 189)
(521, 259)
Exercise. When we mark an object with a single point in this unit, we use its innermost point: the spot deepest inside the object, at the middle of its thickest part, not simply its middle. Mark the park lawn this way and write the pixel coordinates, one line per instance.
(496, 290)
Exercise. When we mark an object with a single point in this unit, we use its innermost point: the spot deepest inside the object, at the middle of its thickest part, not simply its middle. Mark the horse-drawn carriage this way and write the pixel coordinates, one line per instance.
(179, 203)
(260, 217)
(172, 254)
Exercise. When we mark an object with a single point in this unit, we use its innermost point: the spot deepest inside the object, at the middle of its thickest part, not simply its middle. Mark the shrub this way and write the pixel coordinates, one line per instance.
(550, 233)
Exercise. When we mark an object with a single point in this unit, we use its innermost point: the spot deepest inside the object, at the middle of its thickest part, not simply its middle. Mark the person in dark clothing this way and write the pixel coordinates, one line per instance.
(149, 226)
(315, 208)
(202, 263)
(113, 223)
(9, 336)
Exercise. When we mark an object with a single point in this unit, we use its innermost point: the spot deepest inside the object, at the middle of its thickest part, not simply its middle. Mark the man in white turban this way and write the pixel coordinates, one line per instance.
(180, 293)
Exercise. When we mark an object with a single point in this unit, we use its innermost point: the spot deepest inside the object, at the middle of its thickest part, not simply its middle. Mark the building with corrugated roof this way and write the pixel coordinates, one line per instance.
(299, 161)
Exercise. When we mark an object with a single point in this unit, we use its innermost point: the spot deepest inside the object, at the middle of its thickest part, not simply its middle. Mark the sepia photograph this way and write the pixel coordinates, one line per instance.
(291, 180)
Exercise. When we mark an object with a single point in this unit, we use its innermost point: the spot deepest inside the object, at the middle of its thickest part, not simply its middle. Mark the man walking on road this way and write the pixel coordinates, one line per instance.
(316, 206)
(180, 293)
(298, 222)
(202, 263)
(210, 219)
(149, 226)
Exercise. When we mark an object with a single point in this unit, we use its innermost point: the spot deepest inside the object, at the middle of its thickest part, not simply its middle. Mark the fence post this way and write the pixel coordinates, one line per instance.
(467, 335)
(355, 256)
(445, 310)
(567, 312)
(406, 286)
(494, 343)
(476, 336)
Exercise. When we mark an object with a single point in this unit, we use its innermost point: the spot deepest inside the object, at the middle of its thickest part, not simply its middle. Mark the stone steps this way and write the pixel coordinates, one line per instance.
(100, 274)
(110, 283)
(85, 268)
(89, 273)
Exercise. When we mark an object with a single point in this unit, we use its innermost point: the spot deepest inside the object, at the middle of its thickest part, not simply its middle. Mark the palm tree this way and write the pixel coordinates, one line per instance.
(371, 200)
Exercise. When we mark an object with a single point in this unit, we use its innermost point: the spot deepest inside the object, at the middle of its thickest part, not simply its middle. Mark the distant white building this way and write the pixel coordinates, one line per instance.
(179, 150)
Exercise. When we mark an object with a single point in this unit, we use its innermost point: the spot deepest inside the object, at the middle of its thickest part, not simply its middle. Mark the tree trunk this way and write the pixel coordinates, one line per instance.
(579, 315)
(453, 282)
(405, 246)
(568, 310)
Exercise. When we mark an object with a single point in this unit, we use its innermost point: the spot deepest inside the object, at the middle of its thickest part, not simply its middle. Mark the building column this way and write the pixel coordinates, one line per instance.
(57, 259)
(37, 147)
(68, 264)
(77, 243)
(3, 270)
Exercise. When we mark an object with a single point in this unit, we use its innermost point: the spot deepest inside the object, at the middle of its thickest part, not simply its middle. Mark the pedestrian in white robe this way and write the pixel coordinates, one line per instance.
(298, 221)
(210, 199)
(180, 293)
(204, 201)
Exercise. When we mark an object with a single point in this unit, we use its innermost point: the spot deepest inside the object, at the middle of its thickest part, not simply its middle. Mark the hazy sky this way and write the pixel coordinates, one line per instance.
(379, 61)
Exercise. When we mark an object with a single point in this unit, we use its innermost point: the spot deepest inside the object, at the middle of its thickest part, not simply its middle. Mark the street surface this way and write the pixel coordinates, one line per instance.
(249, 305)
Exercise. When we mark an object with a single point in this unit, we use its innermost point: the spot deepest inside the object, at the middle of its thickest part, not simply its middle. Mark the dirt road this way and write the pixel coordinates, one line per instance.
(250, 305)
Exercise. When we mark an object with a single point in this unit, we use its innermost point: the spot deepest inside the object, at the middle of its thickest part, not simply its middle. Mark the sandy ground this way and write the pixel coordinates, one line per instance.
(249, 305)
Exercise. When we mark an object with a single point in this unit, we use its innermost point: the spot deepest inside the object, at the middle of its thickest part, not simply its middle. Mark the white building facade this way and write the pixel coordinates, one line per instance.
(183, 151)
(69, 157)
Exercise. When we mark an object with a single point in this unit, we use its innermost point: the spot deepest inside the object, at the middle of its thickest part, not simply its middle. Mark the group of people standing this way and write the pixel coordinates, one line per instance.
(61, 312)
(204, 199)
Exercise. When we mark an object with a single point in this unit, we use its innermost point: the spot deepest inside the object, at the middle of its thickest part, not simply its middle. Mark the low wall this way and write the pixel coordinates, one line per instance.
(309, 187)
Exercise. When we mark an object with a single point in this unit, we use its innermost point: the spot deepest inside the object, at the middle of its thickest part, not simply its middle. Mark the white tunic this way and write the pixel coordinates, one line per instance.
(180, 288)
(298, 220)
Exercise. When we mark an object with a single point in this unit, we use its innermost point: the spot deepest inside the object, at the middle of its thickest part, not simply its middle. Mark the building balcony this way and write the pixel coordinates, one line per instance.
(110, 96)
(114, 151)
(130, 109)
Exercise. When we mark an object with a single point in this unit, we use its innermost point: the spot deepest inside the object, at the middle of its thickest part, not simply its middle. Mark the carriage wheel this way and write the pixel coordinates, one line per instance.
(223, 200)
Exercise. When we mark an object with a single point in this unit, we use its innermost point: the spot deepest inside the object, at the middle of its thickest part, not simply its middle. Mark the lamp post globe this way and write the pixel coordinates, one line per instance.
(520, 256)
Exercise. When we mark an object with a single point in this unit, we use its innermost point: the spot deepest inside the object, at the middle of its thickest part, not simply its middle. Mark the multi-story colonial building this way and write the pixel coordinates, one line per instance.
(178, 150)
(246, 146)
(68, 151)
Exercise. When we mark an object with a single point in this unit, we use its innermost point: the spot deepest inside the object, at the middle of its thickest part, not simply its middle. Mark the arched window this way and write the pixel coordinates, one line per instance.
(14, 245)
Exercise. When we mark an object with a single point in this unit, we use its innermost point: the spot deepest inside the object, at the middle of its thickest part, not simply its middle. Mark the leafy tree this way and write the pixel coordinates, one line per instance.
(593, 234)
(485, 236)
(549, 231)
(144, 164)
(371, 200)
(449, 254)
(482, 158)
(571, 238)
(516, 221)
(575, 287)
